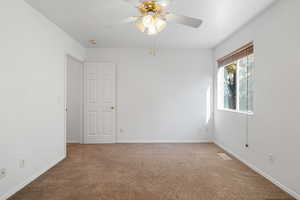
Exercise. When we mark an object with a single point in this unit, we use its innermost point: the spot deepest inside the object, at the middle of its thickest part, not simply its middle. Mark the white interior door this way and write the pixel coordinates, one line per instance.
(74, 100)
(99, 114)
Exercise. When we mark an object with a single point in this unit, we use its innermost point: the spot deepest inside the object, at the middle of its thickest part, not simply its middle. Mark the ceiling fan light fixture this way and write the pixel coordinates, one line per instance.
(151, 30)
(148, 20)
(154, 18)
(140, 25)
(151, 24)
(160, 24)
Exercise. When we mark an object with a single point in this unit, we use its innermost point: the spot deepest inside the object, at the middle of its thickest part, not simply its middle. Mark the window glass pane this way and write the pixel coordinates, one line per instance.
(251, 83)
(230, 87)
(246, 70)
(243, 84)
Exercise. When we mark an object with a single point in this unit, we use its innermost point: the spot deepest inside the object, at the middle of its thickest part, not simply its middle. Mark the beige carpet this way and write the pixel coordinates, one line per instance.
(149, 172)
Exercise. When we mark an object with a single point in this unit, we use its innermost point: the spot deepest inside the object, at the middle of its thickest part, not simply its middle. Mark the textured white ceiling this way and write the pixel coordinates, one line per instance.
(89, 19)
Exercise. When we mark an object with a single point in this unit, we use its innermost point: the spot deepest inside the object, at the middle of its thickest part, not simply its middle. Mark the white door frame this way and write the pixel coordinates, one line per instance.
(67, 56)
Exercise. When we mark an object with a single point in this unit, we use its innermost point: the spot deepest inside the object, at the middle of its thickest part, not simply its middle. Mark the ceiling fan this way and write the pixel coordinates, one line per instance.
(153, 18)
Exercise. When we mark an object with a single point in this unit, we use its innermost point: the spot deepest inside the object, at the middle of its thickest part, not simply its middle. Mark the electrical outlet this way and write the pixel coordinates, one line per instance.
(22, 164)
(2, 173)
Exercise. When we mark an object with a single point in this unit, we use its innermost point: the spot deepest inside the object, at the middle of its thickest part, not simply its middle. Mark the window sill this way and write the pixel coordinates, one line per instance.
(235, 111)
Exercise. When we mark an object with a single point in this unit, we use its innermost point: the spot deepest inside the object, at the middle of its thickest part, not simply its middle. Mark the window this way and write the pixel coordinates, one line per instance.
(236, 81)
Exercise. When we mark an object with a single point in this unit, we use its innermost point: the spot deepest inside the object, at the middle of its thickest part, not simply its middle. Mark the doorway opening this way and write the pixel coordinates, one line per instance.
(90, 102)
(74, 100)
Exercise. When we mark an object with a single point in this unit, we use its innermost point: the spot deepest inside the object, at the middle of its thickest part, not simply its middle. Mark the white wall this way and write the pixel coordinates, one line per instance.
(160, 98)
(32, 72)
(274, 128)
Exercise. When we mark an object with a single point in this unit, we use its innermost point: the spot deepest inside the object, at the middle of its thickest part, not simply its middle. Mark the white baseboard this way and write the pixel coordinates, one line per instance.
(262, 173)
(29, 180)
(164, 141)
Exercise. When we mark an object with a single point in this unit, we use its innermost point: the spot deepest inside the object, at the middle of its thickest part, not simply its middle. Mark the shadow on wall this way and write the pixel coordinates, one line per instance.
(208, 106)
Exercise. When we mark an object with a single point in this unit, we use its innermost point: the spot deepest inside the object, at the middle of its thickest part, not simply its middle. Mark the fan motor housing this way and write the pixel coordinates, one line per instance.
(150, 7)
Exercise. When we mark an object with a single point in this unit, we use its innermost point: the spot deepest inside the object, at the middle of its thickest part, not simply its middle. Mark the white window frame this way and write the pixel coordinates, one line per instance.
(219, 108)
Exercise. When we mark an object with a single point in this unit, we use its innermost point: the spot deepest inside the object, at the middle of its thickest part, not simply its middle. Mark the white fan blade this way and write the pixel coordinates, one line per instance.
(180, 19)
(133, 2)
(129, 20)
(164, 3)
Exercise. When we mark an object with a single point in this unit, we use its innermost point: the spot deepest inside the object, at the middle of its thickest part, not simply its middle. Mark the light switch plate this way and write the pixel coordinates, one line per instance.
(22, 164)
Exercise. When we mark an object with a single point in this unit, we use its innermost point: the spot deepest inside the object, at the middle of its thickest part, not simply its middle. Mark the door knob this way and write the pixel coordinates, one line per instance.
(112, 107)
